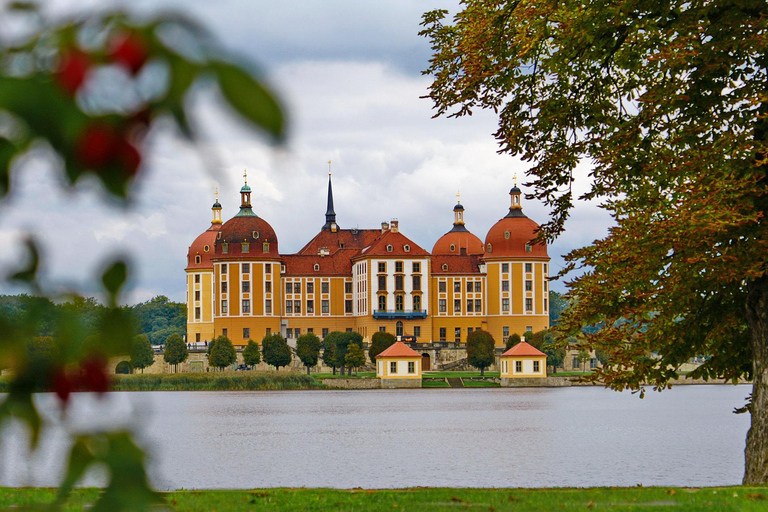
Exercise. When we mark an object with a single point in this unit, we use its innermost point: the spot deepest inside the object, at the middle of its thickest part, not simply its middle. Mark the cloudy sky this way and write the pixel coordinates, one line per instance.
(349, 74)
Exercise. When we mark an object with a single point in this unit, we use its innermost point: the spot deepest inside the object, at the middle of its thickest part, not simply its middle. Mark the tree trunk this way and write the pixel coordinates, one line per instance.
(756, 452)
(482, 371)
(307, 370)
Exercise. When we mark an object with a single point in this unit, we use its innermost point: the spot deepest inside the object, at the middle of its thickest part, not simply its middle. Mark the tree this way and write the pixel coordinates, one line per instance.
(142, 354)
(343, 342)
(251, 353)
(355, 357)
(175, 351)
(308, 349)
(222, 354)
(557, 304)
(276, 350)
(512, 341)
(666, 100)
(544, 340)
(481, 350)
(380, 341)
(583, 357)
(329, 349)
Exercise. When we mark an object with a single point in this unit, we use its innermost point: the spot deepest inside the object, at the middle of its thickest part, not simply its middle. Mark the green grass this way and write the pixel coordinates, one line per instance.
(434, 383)
(472, 383)
(215, 381)
(726, 499)
(463, 375)
(360, 375)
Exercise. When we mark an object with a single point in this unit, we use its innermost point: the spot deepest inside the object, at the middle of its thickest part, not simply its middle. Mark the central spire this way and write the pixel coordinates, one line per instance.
(330, 215)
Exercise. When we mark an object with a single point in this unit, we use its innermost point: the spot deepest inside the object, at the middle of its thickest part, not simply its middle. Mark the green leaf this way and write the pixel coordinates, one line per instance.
(19, 404)
(7, 151)
(250, 98)
(28, 274)
(114, 278)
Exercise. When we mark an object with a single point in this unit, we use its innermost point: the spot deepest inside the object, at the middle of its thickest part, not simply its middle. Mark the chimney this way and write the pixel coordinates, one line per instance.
(384, 227)
(394, 223)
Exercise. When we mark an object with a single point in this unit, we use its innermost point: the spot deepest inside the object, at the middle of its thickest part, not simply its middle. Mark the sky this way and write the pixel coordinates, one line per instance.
(349, 76)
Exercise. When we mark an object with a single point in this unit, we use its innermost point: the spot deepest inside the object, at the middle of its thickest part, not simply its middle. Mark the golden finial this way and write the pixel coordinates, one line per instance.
(458, 196)
(216, 192)
(515, 179)
(329, 167)
(245, 176)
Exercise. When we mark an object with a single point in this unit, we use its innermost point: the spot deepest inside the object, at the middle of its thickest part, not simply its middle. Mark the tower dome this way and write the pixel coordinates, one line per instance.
(202, 249)
(458, 240)
(512, 235)
(246, 235)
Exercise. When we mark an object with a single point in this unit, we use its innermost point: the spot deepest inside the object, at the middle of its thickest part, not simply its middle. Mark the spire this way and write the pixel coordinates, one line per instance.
(330, 215)
(516, 207)
(216, 209)
(458, 214)
(245, 199)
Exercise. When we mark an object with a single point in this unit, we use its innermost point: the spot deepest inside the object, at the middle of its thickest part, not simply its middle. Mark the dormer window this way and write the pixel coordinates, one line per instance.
(506, 235)
(197, 260)
(527, 247)
(453, 248)
(317, 267)
(224, 248)
(445, 267)
(218, 236)
(206, 248)
(244, 248)
(407, 248)
(255, 235)
(489, 248)
(265, 247)
(389, 248)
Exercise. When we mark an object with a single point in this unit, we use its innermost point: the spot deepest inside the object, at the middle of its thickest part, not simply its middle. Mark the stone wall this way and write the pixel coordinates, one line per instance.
(354, 383)
(400, 383)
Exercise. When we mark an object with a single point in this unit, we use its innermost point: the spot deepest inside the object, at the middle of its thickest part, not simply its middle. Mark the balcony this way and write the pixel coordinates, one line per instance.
(391, 314)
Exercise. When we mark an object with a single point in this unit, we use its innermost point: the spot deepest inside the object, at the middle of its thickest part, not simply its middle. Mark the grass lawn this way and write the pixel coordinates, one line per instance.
(434, 499)
(362, 375)
(471, 383)
(463, 375)
(434, 383)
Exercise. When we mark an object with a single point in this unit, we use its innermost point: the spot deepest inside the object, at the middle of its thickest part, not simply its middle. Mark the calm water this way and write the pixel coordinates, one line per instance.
(475, 438)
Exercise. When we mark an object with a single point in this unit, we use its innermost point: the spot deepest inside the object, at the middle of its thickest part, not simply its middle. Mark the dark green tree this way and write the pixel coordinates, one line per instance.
(557, 304)
(355, 357)
(512, 341)
(343, 341)
(481, 350)
(330, 342)
(142, 354)
(308, 349)
(276, 350)
(380, 341)
(222, 353)
(251, 353)
(175, 351)
(545, 341)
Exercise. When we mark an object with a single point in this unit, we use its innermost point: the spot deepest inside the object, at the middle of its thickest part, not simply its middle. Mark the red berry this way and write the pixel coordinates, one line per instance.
(129, 50)
(61, 384)
(127, 156)
(95, 146)
(72, 70)
(93, 374)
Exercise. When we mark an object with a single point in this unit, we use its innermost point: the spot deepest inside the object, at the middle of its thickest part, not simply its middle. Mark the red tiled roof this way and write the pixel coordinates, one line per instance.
(398, 349)
(455, 264)
(397, 240)
(522, 349)
(206, 239)
(509, 236)
(341, 239)
(338, 263)
(459, 240)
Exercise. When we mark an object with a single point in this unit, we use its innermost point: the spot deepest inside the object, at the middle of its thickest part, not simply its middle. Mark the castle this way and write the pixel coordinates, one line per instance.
(366, 280)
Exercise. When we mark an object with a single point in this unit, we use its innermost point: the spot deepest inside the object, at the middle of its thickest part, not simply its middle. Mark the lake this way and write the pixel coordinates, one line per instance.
(534, 437)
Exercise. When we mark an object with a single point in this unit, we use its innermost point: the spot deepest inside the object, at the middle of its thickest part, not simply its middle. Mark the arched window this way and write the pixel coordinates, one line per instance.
(399, 328)
(382, 303)
(489, 248)
(197, 260)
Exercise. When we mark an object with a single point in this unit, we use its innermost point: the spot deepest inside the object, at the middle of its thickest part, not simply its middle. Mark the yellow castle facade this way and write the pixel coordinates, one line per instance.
(366, 280)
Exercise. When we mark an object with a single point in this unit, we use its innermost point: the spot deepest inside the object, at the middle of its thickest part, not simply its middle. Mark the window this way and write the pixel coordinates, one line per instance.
(246, 333)
(268, 268)
(393, 367)
(224, 248)
(382, 303)
(399, 267)
(197, 313)
(505, 286)
(197, 337)
(505, 304)
(441, 305)
(310, 287)
(223, 332)
(197, 260)
(296, 287)
(324, 306)
(255, 235)
(267, 306)
(382, 267)
(470, 306)
(478, 305)
(382, 329)
(441, 286)
(528, 328)
(505, 332)
(197, 294)
(399, 283)
(289, 306)
(223, 268)
(416, 267)
(527, 247)
(417, 331)
(389, 248)
(297, 332)
(289, 333)
(265, 247)
(470, 286)
(411, 367)
(268, 286)
(310, 306)
(310, 330)
(399, 328)
(417, 303)
(317, 267)
(536, 366)
(529, 304)
(325, 332)
(442, 333)
(505, 267)
(245, 248)
(528, 285)
(529, 267)
(246, 286)
(518, 366)
(444, 267)
(348, 329)
(456, 286)
(269, 331)
(246, 268)
(347, 306)
(197, 278)
(453, 247)
(417, 282)
(490, 249)
(506, 235)
(297, 306)
(382, 283)
(407, 248)
(469, 331)
(399, 303)
(457, 306)
(246, 306)
(223, 287)
(223, 306)
(457, 334)
(545, 304)
(347, 287)
(324, 287)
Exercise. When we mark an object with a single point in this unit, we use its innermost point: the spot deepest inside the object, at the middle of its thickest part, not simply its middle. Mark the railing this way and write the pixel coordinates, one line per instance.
(391, 314)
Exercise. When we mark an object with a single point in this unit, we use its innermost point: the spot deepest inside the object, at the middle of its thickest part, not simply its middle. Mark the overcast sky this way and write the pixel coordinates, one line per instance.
(349, 74)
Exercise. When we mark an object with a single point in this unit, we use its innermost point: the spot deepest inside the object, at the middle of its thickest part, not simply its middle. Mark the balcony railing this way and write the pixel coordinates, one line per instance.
(391, 314)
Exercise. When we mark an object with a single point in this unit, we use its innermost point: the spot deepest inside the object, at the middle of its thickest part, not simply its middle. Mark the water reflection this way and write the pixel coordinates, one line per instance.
(377, 438)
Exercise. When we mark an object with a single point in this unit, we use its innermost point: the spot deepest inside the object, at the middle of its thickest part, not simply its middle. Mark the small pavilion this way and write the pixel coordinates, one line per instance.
(399, 366)
(523, 361)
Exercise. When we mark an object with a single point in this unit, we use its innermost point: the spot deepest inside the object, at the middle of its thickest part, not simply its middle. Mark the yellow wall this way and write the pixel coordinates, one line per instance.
(508, 365)
(383, 368)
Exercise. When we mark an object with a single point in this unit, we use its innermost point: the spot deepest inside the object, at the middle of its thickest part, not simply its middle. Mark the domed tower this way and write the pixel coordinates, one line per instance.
(200, 282)
(517, 274)
(246, 266)
(458, 240)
